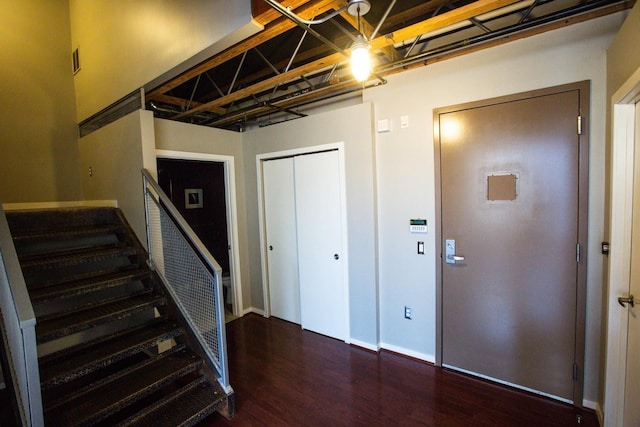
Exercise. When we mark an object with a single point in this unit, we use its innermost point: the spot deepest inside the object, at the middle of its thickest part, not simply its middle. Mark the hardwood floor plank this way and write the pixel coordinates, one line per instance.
(284, 376)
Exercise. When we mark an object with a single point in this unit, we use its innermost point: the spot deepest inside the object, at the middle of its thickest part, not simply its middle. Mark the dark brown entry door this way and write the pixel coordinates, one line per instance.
(510, 175)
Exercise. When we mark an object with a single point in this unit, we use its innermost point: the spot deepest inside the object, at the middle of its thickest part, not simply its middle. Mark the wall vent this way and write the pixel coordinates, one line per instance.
(75, 58)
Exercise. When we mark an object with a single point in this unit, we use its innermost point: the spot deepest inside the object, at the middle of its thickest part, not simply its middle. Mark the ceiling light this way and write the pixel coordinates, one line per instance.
(360, 59)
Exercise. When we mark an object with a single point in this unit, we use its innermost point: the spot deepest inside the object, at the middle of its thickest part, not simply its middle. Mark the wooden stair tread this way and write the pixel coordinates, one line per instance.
(80, 360)
(185, 407)
(100, 402)
(52, 327)
(44, 294)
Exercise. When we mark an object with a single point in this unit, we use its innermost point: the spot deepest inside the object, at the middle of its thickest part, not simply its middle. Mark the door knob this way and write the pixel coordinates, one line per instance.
(623, 301)
(450, 256)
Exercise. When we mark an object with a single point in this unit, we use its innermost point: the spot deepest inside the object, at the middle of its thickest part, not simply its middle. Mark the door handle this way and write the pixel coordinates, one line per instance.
(450, 256)
(270, 247)
(336, 256)
(623, 301)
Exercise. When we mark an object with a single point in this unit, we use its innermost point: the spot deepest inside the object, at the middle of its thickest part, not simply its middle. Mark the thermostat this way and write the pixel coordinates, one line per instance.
(418, 225)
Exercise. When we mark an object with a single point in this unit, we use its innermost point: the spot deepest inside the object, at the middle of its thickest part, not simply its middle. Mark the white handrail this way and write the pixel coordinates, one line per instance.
(18, 330)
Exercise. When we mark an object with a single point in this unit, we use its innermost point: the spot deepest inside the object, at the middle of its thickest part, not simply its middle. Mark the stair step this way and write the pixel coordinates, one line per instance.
(83, 359)
(76, 257)
(44, 294)
(49, 328)
(67, 392)
(186, 407)
(31, 221)
(95, 274)
(106, 399)
(33, 244)
(66, 234)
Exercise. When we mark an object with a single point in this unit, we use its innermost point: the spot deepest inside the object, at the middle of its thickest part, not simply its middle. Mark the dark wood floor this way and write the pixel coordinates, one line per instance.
(283, 376)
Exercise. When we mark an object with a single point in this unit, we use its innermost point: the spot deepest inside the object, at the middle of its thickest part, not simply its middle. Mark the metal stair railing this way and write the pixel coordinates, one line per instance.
(190, 273)
(18, 324)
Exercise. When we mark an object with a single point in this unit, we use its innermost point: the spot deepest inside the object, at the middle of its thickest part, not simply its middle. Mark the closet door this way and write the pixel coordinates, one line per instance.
(282, 254)
(320, 257)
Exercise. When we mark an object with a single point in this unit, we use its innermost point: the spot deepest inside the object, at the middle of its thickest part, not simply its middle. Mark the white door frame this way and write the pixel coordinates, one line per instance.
(232, 214)
(621, 210)
(262, 225)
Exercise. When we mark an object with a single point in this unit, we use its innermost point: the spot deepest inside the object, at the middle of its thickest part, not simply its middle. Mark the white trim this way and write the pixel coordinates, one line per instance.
(365, 345)
(622, 155)
(232, 213)
(431, 358)
(253, 310)
(507, 383)
(339, 146)
(52, 205)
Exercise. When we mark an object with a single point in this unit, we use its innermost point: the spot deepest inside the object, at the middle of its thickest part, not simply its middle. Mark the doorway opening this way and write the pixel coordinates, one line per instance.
(622, 322)
(201, 189)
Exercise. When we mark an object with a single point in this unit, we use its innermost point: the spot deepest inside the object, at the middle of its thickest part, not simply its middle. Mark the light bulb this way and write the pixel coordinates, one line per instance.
(360, 59)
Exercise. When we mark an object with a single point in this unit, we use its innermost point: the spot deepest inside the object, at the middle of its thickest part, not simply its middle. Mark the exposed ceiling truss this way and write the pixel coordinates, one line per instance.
(274, 74)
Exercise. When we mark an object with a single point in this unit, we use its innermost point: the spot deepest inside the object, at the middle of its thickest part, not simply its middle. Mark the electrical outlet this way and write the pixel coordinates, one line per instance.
(407, 312)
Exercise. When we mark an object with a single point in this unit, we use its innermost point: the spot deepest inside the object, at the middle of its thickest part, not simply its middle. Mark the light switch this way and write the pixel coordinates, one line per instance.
(384, 126)
(420, 248)
(404, 122)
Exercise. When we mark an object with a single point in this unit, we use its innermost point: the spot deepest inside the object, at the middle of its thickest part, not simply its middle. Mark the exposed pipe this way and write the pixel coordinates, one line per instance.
(306, 26)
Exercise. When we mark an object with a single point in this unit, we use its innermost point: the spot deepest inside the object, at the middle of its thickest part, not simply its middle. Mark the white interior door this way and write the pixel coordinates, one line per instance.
(320, 258)
(632, 376)
(282, 251)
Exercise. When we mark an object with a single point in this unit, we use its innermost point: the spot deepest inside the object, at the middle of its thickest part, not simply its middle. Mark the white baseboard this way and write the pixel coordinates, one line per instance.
(365, 345)
(596, 407)
(253, 310)
(52, 205)
(405, 351)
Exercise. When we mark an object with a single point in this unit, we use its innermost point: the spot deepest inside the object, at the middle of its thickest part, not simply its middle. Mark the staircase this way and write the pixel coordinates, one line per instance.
(112, 348)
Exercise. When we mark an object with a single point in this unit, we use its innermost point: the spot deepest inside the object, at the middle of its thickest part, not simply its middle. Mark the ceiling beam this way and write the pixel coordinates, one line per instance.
(261, 108)
(444, 20)
(399, 19)
(441, 21)
(309, 10)
(263, 13)
(565, 22)
(277, 80)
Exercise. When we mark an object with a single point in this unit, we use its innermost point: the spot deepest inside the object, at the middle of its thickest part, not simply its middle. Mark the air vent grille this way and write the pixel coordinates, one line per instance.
(75, 58)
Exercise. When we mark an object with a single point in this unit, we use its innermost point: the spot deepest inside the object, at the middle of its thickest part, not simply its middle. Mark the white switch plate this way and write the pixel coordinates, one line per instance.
(384, 126)
(404, 122)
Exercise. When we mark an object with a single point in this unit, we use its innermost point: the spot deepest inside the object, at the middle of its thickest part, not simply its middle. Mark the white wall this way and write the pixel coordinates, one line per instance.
(38, 142)
(116, 153)
(405, 159)
(353, 127)
(125, 44)
(177, 136)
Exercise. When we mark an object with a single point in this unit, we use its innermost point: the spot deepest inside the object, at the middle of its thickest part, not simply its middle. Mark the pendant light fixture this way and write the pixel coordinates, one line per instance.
(360, 57)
